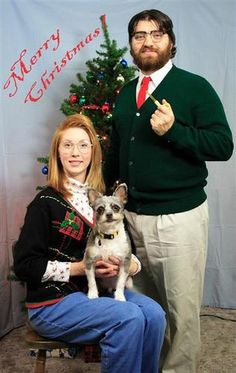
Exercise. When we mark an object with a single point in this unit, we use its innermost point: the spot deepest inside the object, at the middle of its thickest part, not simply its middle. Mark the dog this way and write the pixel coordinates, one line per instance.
(108, 238)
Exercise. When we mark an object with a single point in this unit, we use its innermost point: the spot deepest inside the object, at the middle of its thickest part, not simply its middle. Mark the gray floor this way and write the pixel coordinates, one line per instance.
(218, 349)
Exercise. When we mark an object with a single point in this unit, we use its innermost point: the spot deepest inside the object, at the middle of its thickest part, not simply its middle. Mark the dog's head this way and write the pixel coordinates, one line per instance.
(109, 209)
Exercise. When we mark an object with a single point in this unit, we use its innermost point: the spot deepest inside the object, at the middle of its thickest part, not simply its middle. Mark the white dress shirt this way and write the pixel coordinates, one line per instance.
(157, 77)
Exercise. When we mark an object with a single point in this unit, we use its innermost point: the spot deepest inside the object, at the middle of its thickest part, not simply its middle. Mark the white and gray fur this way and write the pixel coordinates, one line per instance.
(108, 238)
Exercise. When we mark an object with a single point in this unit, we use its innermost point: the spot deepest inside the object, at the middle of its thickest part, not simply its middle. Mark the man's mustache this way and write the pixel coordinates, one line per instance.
(150, 49)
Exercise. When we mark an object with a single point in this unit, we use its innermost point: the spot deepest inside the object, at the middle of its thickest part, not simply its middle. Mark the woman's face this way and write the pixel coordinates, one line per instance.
(75, 152)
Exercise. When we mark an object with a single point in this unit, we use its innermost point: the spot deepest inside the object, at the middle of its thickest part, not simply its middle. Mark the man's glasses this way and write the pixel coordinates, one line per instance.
(83, 146)
(141, 35)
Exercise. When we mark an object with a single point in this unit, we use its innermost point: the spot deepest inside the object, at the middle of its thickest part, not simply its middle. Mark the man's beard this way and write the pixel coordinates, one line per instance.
(150, 63)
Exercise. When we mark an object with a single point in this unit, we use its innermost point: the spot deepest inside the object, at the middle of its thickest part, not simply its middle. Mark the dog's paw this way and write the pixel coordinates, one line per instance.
(92, 294)
(119, 296)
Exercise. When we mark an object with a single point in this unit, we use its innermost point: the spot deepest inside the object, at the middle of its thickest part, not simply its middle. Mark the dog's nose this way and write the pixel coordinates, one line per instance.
(109, 216)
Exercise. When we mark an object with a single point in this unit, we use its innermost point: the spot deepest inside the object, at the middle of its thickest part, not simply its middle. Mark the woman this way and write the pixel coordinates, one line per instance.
(49, 258)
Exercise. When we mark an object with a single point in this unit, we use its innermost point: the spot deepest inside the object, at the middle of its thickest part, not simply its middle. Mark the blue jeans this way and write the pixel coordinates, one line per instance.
(130, 333)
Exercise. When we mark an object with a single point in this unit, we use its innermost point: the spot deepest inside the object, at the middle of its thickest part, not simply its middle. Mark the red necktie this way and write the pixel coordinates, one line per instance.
(143, 91)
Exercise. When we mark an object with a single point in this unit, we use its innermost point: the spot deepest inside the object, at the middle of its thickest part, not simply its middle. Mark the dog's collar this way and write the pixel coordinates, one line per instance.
(109, 236)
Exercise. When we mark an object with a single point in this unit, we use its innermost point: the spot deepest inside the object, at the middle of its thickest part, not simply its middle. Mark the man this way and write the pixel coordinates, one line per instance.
(159, 150)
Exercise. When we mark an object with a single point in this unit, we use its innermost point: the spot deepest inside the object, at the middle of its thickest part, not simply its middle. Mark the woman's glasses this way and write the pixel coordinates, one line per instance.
(83, 146)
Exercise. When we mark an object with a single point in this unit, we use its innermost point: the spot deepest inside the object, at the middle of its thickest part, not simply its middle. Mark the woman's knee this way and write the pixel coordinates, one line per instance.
(130, 313)
(155, 315)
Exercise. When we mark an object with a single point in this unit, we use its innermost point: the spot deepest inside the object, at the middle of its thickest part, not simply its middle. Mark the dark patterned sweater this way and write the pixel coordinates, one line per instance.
(52, 231)
(167, 174)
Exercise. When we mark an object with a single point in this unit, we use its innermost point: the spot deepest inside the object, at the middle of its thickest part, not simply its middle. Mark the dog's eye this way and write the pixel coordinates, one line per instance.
(100, 210)
(115, 208)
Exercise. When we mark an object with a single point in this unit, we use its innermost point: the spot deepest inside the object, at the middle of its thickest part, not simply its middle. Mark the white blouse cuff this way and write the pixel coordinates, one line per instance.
(57, 271)
(137, 261)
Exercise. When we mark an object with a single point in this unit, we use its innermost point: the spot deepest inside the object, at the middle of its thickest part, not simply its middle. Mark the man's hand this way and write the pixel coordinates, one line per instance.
(162, 119)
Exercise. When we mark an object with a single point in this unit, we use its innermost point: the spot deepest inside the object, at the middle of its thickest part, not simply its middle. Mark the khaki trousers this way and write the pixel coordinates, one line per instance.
(172, 249)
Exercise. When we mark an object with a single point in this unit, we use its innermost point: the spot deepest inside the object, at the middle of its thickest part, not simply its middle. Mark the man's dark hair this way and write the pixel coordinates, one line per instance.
(161, 19)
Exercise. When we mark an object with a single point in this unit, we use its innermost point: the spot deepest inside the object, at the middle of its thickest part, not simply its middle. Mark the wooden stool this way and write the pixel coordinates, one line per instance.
(41, 344)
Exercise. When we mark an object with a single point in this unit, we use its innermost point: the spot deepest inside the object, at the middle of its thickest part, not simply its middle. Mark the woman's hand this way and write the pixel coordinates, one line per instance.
(109, 268)
(103, 268)
(77, 268)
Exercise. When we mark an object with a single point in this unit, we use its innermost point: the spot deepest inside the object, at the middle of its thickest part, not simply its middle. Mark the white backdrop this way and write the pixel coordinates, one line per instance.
(35, 37)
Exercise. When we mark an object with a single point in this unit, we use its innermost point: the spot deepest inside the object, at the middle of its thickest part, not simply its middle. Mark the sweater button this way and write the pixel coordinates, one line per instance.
(131, 163)
(137, 114)
(132, 138)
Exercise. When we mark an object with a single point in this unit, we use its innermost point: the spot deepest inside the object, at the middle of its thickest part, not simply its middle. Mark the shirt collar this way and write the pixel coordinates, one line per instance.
(79, 200)
(75, 183)
(157, 76)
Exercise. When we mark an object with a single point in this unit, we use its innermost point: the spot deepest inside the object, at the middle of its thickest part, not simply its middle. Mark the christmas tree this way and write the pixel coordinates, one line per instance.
(95, 93)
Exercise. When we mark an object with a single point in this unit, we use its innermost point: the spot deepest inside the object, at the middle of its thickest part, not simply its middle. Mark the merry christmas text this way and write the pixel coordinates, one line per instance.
(24, 65)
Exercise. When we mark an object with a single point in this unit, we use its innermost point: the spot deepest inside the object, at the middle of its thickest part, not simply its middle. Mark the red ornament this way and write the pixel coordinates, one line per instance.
(105, 107)
(73, 99)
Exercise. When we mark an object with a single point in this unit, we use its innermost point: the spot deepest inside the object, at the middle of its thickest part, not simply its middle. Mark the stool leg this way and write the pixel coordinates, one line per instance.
(40, 362)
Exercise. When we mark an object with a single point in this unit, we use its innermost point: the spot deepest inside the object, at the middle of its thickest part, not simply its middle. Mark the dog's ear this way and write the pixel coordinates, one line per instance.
(93, 194)
(121, 192)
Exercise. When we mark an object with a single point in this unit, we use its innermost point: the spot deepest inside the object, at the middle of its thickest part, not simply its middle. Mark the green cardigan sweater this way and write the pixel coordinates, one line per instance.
(167, 174)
